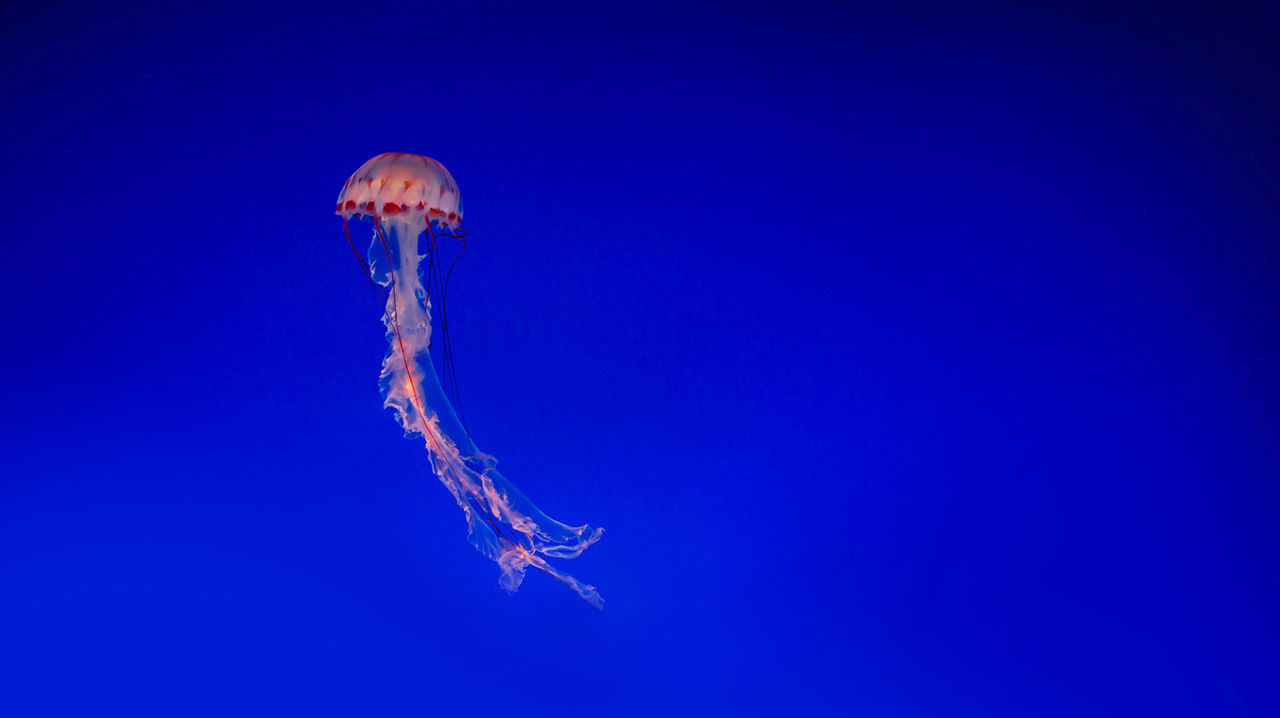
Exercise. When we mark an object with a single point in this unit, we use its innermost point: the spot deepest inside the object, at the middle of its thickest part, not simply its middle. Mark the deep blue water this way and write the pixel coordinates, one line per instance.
(918, 359)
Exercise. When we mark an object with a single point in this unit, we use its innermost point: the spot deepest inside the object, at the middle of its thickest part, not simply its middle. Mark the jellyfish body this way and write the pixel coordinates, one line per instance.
(409, 197)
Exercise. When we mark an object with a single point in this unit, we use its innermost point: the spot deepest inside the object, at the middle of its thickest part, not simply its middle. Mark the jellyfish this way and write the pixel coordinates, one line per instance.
(411, 199)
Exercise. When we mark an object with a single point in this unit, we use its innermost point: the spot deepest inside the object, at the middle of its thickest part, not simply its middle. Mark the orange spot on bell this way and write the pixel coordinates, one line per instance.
(390, 209)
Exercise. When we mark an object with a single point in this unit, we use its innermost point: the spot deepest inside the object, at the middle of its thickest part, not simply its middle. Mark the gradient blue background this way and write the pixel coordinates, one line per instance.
(919, 359)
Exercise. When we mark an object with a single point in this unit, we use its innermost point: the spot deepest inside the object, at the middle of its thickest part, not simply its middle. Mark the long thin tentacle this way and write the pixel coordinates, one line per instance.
(368, 275)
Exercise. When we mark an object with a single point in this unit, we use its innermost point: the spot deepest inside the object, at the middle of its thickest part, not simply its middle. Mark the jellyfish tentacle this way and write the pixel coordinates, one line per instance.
(404, 356)
(486, 497)
(368, 274)
(447, 366)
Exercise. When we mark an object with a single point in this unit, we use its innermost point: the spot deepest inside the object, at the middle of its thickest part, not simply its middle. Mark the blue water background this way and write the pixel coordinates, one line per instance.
(919, 359)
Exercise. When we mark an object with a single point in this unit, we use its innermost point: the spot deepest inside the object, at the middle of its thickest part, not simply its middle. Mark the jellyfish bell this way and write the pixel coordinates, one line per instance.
(409, 196)
(414, 189)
